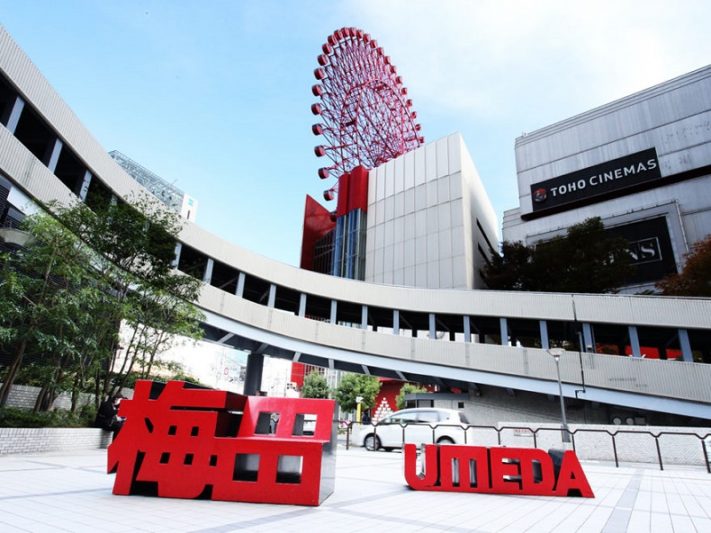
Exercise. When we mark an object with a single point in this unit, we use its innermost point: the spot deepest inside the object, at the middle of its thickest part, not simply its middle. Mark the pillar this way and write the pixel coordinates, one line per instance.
(253, 374)
(545, 343)
(504, 330)
(15, 114)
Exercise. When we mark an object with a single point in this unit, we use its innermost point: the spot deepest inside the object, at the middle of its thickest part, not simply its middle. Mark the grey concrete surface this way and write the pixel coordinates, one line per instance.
(71, 492)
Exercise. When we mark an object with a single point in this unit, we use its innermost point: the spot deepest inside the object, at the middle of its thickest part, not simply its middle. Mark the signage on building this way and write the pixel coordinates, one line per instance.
(604, 179)
(650, 248)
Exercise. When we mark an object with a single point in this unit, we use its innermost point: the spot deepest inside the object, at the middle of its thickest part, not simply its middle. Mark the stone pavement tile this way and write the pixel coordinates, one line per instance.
(681, 523)
(675, 503)
(370, 496)
(692, 506)
(660, 522)
(643, 502)
(596, 521)
(702, 525)
(639, 521)
(659, 501)
(574, 519)
(704, 502)
(533, 515)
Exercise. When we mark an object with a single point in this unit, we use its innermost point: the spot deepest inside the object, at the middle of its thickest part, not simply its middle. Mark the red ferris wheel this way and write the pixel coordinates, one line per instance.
(366, 116)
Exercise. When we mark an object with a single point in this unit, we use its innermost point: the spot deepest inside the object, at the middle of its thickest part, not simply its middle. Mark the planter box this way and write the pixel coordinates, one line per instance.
(39, 440)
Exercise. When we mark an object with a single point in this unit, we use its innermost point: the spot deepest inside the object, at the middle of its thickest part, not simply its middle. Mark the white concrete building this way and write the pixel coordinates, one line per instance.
(641, 163)
(430, 221)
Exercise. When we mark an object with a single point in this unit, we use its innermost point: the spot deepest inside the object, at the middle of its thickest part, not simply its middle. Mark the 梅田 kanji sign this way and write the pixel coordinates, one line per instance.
(180, 441)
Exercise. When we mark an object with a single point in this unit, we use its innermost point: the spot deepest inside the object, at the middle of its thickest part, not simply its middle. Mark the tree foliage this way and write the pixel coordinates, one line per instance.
(586, 259)
(84, 274)
(315, 386)
(695, 278)
(407, 388)
(354, 385)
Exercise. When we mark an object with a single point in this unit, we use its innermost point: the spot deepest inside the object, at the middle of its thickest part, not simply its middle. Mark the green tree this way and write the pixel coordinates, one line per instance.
(135, 247)
(354, 385)
(695, 278)
(407, 388)
(587, 259)
(315, 386)
(46, 300)
(64, 297)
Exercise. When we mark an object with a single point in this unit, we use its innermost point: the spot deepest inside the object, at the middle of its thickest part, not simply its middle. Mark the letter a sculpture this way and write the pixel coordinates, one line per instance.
(182, 441)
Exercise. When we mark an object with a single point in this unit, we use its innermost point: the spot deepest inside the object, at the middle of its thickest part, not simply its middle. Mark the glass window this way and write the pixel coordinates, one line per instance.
(428, 416)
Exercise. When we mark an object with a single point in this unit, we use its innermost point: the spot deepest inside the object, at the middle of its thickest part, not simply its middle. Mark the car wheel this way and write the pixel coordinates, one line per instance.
(445, 440)
(372, 442)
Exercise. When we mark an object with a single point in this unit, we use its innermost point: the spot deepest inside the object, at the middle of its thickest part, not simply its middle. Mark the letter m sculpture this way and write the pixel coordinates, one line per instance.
(183, 441)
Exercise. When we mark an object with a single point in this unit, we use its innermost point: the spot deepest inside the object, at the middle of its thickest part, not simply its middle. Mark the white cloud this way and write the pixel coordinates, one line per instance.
(486, 58)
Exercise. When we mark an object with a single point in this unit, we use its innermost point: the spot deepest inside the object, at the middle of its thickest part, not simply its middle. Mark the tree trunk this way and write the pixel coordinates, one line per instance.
(76, 387)
(12, 372)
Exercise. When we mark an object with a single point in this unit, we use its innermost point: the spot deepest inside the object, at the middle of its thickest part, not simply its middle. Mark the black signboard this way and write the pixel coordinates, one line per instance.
(649, 248)
(604, 179)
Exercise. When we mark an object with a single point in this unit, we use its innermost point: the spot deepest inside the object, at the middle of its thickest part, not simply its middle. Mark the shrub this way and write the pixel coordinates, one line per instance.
(13, 417)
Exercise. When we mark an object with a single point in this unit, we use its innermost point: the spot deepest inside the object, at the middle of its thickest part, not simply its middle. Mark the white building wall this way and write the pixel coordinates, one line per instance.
(422, 213)
(674, 118)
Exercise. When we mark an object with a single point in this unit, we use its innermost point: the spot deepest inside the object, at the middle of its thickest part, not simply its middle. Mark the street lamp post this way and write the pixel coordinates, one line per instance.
(556, 353)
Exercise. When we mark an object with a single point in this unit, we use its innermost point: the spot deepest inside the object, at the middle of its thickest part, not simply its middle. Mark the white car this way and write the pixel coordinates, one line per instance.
(418, 426)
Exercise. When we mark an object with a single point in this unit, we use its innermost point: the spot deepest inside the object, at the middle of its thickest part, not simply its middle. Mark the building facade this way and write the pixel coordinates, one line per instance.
(430, 221)
(166, 192)
(641, 163)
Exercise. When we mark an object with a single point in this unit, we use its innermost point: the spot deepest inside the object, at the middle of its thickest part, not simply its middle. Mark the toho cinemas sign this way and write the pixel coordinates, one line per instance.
(609, 179)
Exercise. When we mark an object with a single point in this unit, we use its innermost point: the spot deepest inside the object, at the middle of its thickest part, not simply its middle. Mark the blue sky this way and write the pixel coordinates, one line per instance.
(215, 95)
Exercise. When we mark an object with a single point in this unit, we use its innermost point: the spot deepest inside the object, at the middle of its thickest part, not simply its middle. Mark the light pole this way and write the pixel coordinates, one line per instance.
(556, 353)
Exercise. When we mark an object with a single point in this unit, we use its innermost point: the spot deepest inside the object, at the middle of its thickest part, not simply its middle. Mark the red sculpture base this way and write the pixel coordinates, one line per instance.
(180, 441)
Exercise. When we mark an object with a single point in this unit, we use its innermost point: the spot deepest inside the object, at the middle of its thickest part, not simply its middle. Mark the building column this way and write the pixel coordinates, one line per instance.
(54, 155)
(545, 343)
(207, 275)
(302, 304)
(239, 290)
(178, 249)
(588, 338)
(467, 329)
(634, 341)
(433, 326)
(14, 117)
(334, 310)
(253, 374)
(364, 317)
(396, 322)
(686, 354)
(504, 331)
(271, 301)
(84, 187)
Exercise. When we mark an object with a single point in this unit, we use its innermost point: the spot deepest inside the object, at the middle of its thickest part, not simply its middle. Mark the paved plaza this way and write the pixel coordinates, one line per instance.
(71, 492)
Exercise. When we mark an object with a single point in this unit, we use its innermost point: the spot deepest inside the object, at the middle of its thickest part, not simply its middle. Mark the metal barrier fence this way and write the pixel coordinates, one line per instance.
(536, 434)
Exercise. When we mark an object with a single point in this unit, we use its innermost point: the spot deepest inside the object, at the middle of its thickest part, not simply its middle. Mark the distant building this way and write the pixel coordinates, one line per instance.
(642, 164)
(166, 192)
(422, 219)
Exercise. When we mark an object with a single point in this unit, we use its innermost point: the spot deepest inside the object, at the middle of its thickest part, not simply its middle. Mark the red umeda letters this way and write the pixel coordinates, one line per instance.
(495, 470)
(572, 478)
(430, 465)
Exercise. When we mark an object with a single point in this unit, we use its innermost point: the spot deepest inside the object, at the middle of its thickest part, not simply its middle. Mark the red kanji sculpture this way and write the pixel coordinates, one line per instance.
(182, 441)
(496, 470)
